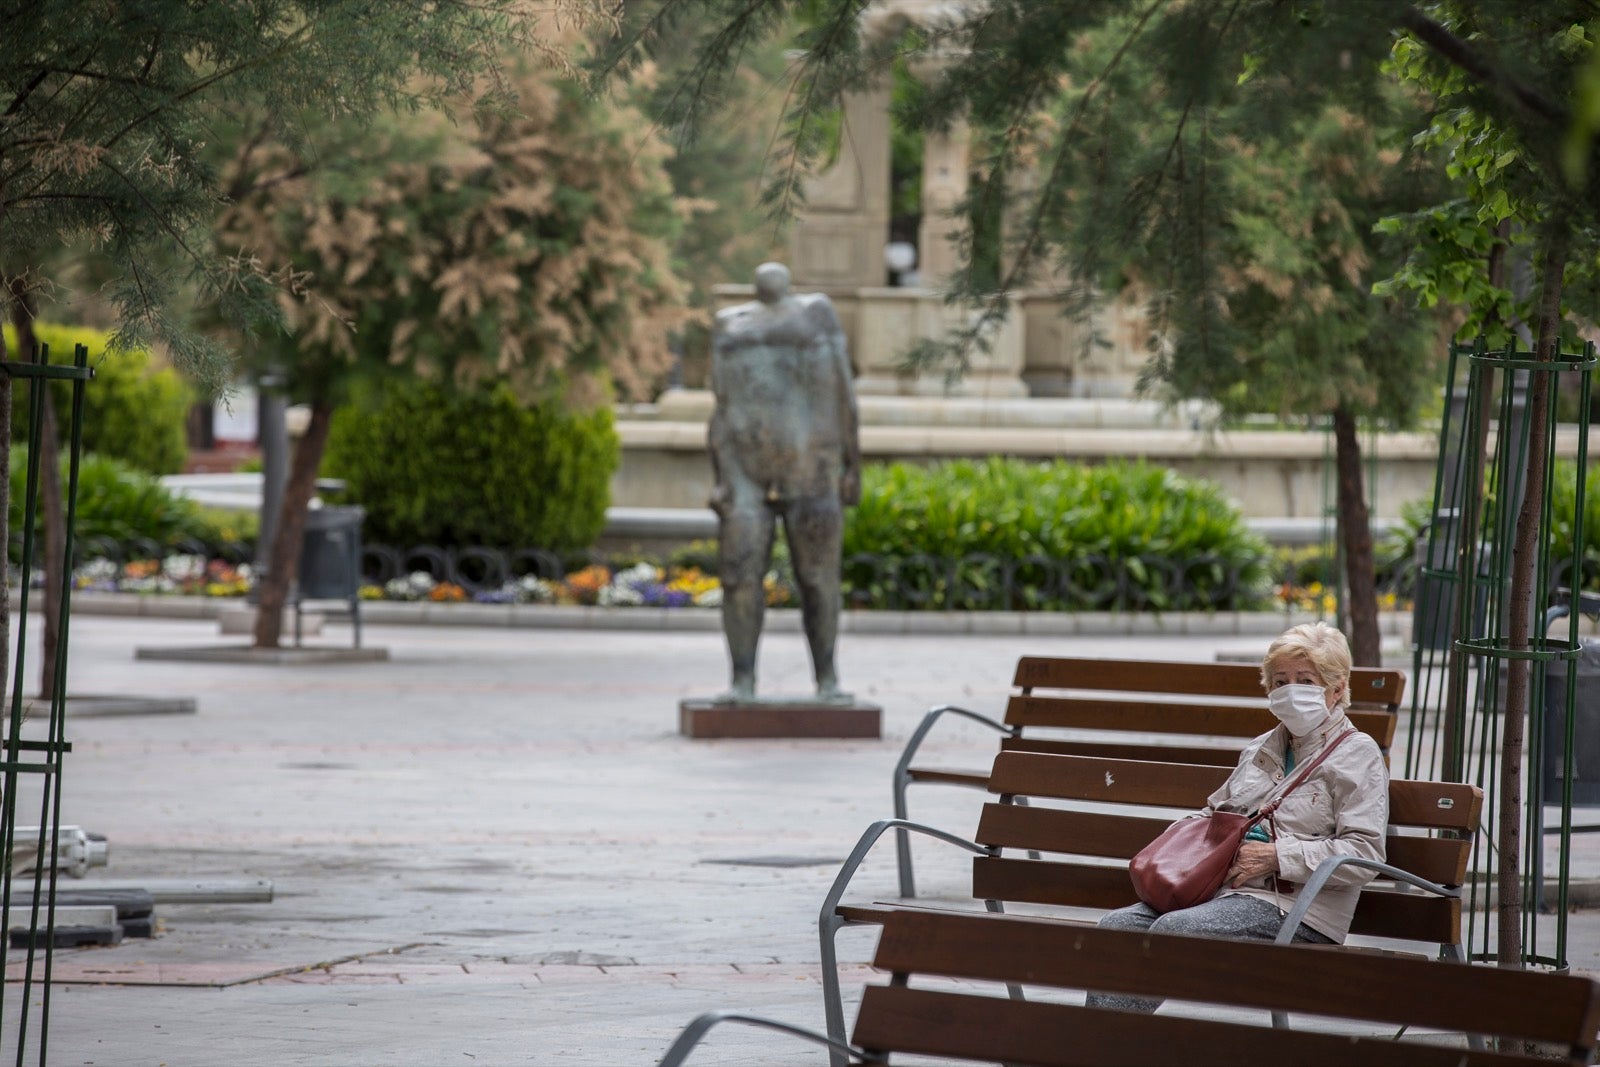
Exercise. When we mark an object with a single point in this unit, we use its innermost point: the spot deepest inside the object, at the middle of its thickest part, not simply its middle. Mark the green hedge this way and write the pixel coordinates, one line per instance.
(1113, 533)
(134, 410)
(118, 503)
(433, 465)
(1562, 513)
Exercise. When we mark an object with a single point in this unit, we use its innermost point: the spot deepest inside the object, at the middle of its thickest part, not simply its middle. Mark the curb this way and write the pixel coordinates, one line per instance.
(552, 617)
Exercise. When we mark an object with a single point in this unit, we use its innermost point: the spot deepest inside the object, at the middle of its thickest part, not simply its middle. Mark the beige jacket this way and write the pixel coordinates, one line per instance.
(1341, 810)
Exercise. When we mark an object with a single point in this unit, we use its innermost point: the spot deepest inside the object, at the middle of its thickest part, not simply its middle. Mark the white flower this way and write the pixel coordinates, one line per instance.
(531, 589)
(99, 569)
(619, 596)
(638, 574)
(184, 568)
(711, 598)
(413, 586)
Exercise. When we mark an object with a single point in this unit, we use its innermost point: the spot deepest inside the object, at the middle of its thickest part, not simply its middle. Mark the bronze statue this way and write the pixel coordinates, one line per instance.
(783, 444)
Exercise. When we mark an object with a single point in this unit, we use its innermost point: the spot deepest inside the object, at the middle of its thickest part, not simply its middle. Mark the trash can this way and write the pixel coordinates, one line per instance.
(330, 563)
(1585, 732)
(330, 554)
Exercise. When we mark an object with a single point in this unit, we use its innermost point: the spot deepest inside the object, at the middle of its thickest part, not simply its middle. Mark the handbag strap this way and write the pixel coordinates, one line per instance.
(1303, 775)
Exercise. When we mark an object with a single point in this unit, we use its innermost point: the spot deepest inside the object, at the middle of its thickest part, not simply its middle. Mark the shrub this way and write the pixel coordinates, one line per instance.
(117, 503)
(1562, 514)
(1004, 533)
(434, 465)
(135, 410)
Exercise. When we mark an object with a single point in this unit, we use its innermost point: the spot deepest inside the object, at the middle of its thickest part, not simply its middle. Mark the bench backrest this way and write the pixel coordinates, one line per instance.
(1059, 697)
(1098, 808)
(1377, 993)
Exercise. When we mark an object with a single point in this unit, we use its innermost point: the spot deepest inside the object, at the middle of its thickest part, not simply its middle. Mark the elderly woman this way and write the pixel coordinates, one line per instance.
(1340, 809)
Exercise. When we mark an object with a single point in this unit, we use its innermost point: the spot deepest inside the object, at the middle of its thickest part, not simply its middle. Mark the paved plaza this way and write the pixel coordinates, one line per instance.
(495, 848)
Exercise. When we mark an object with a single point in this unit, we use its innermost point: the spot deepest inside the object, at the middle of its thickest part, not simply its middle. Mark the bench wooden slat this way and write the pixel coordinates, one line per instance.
(1070, 885)
(1114, 836)
(1520, 1004)
(990, 1030)
(1140, 716)
(1437, 859)
(1136, 676)
(1217, 757)
(1407, 916)
(1376, 686)
(1082, 833)
(1172, 718)
(1435, 805)
(1170, 785)
(949, 776)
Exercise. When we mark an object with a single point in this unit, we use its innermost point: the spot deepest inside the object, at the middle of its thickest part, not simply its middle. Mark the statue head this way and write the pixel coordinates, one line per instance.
(772, 282)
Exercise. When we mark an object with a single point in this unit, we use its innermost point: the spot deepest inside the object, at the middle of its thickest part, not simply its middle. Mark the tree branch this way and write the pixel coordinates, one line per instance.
(1459, 53)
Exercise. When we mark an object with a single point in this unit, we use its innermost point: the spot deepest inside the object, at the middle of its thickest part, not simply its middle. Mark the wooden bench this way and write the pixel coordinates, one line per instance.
(1091, 814)
(1364, 998)
(1131, 709)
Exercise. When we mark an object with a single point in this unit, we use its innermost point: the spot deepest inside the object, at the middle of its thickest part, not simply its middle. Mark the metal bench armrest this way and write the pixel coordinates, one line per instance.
(903, 767)
(902, 779)
(869, 837)
(1325, 871)
(829, 923)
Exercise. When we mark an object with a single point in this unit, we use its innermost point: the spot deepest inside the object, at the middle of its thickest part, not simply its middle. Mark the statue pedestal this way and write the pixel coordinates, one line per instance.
(779, 717)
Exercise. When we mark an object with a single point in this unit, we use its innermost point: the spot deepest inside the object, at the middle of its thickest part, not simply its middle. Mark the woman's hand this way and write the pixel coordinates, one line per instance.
(1255, 859)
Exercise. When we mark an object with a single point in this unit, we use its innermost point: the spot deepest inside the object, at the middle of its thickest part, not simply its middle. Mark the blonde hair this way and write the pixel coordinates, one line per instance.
(1323, 645)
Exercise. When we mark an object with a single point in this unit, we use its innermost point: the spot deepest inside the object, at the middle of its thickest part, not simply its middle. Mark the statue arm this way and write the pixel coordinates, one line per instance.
(849, 421)
(716, 426)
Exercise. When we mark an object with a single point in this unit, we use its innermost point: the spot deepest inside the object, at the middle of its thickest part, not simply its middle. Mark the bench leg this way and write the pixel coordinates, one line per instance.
(1022, 802)
(902, 839)
(832, 998)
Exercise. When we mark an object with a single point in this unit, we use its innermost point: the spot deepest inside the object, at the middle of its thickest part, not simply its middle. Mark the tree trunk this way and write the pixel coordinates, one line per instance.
(1525, 546)
(51, 509)
(284, 561)
(5, 526)
(1355, 531)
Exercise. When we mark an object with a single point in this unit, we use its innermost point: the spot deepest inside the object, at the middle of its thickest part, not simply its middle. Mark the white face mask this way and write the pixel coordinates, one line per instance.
(1301, 708)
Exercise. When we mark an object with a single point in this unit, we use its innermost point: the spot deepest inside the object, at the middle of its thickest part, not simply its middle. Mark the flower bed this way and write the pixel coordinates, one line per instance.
(641, 585)
(869, 583)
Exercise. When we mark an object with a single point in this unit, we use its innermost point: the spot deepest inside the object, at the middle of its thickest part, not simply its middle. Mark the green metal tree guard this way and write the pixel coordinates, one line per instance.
(37, 760)
(1462, 648)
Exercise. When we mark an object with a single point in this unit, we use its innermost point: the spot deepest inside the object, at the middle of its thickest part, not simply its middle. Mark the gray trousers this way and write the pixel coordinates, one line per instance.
(1235, 916)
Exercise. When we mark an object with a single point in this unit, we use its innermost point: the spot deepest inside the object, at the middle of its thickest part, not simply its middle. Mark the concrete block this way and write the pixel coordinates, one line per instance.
(999, 622)
(874, 622)
(779, 717)
(1052, 623)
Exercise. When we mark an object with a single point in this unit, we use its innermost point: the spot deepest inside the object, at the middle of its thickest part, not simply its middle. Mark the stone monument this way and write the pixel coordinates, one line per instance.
(784, 446)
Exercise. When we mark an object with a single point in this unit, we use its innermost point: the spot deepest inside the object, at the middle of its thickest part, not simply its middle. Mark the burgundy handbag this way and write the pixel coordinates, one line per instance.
(1188, 862)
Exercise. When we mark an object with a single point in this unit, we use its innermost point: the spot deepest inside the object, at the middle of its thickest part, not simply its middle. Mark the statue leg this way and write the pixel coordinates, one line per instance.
(744, 550)
(815, 530)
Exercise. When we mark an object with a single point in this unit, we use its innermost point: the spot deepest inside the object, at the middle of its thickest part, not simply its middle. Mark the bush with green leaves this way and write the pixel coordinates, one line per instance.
(135, 410)
(119, 504)
(436, 465)
(1562, 513)
(1007, 533)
